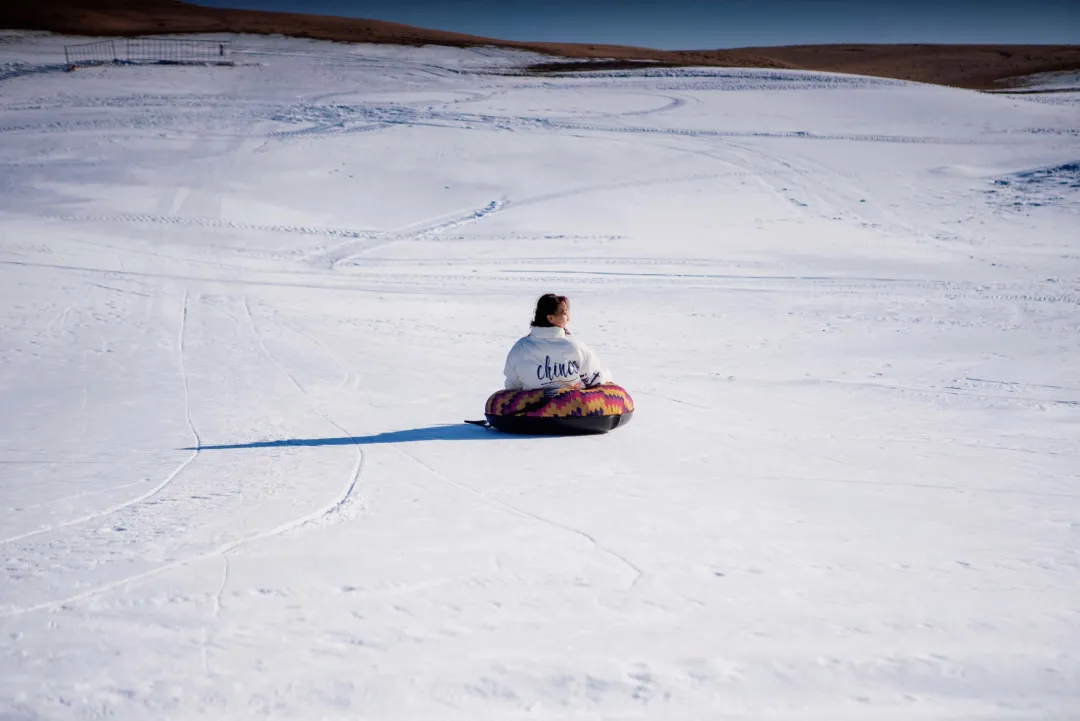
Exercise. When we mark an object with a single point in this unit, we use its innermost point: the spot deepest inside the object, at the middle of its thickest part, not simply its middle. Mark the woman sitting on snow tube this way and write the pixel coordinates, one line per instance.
(555, 383)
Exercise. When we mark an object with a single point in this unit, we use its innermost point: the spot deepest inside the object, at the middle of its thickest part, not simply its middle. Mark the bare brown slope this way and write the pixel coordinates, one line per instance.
(127, 17)
(967, 66)
(971, 66)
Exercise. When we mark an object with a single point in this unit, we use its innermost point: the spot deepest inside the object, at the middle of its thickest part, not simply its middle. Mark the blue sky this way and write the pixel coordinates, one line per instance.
(703, 24)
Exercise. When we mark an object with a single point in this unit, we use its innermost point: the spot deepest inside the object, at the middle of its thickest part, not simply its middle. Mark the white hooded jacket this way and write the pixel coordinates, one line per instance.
(549, 358)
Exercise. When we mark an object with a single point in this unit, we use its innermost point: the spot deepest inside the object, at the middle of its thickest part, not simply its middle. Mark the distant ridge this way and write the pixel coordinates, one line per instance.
(967, 66)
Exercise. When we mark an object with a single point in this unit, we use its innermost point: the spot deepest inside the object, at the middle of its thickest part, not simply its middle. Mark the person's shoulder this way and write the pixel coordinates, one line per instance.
(577, 342)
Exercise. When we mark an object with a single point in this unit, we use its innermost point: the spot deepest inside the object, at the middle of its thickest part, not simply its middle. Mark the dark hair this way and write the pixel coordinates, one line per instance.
(548, 304)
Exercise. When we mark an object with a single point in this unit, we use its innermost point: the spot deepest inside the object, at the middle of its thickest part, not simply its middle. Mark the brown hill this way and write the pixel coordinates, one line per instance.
(970, 66)
(967, 66)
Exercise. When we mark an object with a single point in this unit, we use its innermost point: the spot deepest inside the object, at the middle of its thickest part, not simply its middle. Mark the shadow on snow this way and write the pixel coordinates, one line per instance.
(456, 432)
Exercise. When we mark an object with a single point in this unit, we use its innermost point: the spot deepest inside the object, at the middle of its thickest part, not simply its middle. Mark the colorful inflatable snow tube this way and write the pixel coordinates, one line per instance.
(567, 411)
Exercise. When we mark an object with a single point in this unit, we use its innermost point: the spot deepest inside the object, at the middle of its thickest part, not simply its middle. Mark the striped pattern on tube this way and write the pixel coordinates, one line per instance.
(606, 400)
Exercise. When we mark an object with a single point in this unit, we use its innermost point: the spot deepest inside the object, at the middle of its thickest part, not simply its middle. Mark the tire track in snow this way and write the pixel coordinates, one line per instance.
(638, 573)
(168, 479)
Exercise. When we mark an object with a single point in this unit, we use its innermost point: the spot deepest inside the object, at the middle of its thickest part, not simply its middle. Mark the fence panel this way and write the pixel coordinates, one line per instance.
(149, 50)
(169, 50)
(97, 53)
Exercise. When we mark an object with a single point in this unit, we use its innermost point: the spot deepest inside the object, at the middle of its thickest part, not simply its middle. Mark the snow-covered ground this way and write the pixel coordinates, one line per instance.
(1062, 80)
(246, 308)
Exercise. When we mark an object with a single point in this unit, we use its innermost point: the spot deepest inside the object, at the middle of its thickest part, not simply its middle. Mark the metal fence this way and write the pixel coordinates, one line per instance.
(103, 51)
(162, 50)
(149, 50)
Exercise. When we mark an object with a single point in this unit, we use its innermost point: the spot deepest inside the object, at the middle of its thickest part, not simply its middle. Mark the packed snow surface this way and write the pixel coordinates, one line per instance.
(245, 310)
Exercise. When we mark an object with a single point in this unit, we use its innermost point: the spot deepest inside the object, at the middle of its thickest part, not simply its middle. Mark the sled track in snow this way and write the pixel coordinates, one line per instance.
(954, 395)
(313, 517)
(349, 375)
(340, 255)
(511, 122)
(794, 134)
(139, 101)
(342, 507)
(367, 117)
(160, 486)
(84, 494)
(61, 317)
(503, 505)
(491, 208)
(673, 103)
(820, 191)
(625, 185)
(721, 78)
(175, 117)
(588, 260)
(19, 70)
(809, 285)
(334, 255)
(502, 238)
(219, 225)
(350, 61)
(327, 131)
